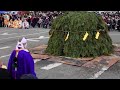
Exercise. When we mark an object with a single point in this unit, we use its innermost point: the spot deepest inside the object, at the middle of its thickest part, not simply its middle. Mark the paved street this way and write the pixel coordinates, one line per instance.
(48, 69)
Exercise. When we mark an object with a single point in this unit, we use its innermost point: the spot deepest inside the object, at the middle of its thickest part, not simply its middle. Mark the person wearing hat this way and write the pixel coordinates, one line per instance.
(21, 61)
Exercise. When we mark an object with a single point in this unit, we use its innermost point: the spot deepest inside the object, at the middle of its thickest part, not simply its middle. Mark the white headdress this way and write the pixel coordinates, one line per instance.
(24, 40)
(19, 45)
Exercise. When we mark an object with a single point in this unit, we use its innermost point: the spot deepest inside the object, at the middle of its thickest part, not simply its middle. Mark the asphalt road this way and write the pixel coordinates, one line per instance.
(48, 69)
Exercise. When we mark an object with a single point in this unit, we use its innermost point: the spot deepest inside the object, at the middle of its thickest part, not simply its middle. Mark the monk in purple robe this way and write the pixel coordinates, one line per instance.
(20, 61)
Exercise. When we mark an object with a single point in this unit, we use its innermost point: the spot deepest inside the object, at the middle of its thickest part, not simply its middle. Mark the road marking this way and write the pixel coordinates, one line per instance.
(36, 60)
(33, 40)
(41, 37)
(8, 34)
(37, 39)
(5, 47)
(23, 35)
(5, 56)
(96, 75)
(4, 34)
(50, 66)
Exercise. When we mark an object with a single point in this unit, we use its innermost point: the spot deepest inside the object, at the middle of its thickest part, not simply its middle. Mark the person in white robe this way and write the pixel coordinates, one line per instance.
(25, 24)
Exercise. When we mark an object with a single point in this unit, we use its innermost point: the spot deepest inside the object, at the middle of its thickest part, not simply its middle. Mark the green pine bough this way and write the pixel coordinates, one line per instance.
(77, 23)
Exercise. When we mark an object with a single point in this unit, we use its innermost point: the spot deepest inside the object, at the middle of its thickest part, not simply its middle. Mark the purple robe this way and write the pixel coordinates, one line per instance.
(25, 64)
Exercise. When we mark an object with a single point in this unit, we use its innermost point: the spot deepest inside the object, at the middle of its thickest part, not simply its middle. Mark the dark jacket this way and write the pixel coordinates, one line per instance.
(118, 23)
(4, 74)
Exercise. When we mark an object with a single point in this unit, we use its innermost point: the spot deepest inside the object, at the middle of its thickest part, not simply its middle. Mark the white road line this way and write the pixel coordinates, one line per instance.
(5, 47)
(41, 37)
(96, 75)
(5, 56)
(8, 34)
(33, 40)
(36, 60)
(50, 66)
(45, 37)
(37, 39)
(23, 35)
(4, 34)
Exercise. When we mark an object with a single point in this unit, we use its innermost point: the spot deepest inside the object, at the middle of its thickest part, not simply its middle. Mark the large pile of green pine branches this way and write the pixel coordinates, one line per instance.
(67, 33)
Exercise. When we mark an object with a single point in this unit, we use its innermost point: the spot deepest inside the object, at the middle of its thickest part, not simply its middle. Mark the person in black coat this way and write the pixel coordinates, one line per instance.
(113, 24)
(34, 21)
(118, 25)
(29, 20)
(4, 74)
(46, 22)
(0, 21)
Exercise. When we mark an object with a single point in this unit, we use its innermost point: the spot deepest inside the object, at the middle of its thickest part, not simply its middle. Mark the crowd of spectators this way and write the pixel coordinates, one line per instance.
(112, 19)
(41, 19)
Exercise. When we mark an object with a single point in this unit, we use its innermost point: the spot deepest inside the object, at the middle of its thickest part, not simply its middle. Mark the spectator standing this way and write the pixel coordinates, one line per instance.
(39, 23)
